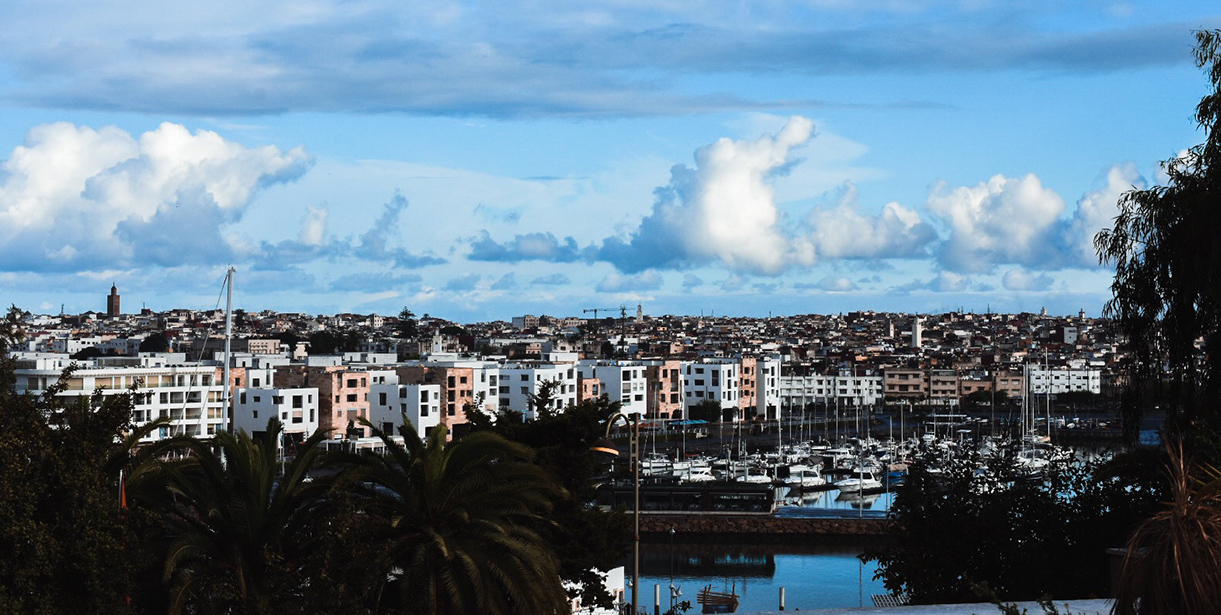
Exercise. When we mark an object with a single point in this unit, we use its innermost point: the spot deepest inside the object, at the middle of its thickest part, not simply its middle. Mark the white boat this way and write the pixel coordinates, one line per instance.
(804, 476)
(859, 480)
(698, 474)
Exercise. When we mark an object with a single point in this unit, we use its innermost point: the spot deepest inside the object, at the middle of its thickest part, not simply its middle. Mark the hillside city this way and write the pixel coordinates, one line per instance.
(326, 371)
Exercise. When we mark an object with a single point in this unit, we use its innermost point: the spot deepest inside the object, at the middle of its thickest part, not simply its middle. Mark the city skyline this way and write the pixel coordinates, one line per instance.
(478, 162)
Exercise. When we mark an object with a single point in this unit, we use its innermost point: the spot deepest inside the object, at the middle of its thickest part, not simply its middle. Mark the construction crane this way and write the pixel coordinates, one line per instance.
(596, 310)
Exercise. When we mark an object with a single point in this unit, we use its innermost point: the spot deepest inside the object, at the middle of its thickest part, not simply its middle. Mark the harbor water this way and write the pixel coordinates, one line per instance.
(814, 577)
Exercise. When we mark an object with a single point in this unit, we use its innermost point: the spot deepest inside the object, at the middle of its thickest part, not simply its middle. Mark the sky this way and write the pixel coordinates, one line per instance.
(480, 160)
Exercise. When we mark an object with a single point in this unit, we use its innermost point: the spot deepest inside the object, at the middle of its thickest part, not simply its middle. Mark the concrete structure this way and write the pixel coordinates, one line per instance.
(714, 380)
(296, 408)
(112, 303)
(622, 381)
(187, 394)
(665, 397)
(1063, 380)
(343, 395)
(520, 381)
(421, 403)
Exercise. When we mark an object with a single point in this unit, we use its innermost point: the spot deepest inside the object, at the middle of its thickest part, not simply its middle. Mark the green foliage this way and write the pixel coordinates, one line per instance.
(1024, 538)
(236, 535)
(454, 525)
(586, 539)
(407, 327)
(62, 535)
(1171, 562)
(707, 410)
(1167, 261)
(156, 342)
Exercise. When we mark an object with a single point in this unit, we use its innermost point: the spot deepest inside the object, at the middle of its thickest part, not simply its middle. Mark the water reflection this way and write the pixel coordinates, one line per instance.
(814, 577)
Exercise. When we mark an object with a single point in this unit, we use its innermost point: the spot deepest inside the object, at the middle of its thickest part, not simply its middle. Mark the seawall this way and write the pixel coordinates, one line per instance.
(763, 528)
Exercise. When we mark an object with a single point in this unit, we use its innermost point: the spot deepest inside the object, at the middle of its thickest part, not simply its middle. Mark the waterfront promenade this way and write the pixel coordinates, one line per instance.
(1075, 607)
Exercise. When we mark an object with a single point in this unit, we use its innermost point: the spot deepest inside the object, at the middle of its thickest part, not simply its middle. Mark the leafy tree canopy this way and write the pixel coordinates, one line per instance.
(1167, 262)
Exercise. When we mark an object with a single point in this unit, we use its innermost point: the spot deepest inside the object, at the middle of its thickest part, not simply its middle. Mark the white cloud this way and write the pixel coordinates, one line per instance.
(1097, 210)
(836, 284)
(846, 232)
(618, 283)
(313, 228)
(1018, 279)
(78, 197)
(1002, 220)
(723, 210)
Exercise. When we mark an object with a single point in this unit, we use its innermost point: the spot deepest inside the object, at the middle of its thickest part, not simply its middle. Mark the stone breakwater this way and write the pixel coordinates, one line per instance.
(761, 528)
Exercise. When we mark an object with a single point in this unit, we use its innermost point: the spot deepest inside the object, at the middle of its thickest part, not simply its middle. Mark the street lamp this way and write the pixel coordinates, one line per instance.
(606, 446)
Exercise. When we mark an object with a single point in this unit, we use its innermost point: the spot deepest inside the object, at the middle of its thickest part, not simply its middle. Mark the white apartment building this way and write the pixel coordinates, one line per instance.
(843, 388)
(421, 403)
(622, 381)
(1055, 380)
(518, 381)
(296, 408)
(767, 378)
(189, 394)
(711, 379)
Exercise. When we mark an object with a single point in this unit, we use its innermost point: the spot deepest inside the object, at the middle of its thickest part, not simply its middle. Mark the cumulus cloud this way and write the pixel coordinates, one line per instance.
(846, 232)
(1000, 221)
(691, 280)
(78, 197)
(837, 284)
(721, 211)
(618, 283)
(1097, 210)
(374, 244)
(313, 228)
(1018, 279)
(531, 246)
(943, 282)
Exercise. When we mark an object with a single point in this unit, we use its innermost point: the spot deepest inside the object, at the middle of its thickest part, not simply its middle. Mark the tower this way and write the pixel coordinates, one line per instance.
(112, 302)
(916, 333)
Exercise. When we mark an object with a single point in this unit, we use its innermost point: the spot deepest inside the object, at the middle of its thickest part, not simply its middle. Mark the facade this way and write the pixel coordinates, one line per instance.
(715, 380)
(520, 381)
(665, 395)
(112, 303)
(297, 409)
(343, 395)
(622, 381)
(189, 395)
(420, 403)
(1062, 380)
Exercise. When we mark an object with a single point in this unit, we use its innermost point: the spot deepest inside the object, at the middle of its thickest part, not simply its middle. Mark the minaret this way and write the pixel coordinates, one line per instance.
(112, 302)
(916, 333)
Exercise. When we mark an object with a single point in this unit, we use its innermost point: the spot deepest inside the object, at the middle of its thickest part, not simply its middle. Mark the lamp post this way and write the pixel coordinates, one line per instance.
(606, 446)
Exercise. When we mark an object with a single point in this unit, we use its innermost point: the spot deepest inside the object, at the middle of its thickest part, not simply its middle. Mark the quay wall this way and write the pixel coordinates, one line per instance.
(694, 527)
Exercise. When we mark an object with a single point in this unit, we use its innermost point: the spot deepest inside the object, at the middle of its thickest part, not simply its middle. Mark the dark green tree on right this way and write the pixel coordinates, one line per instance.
(1166, 248)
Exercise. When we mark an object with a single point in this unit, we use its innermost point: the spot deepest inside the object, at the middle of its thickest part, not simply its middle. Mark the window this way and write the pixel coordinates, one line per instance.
(423, 410)
(451, 382)
(381, 398)
(525, 390)
(255, 414)
(256, 383)
(449, 396)
(462, 379)
(351, 383)
(296, 401)
(450, 410)
(524, 377)
(277, 399)
(423, 397)
(241, 399)
(258, 398)
(351, 398)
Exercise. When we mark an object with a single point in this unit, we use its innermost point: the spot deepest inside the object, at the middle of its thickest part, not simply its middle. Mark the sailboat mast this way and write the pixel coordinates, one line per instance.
(226, 392)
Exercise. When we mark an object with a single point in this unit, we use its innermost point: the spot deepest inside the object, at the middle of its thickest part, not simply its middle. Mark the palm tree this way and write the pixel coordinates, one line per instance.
(457, 522)
(1171, 561)
(237, 533)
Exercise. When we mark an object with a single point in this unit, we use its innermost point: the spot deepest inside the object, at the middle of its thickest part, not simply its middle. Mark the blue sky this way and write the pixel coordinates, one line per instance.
(479, 160)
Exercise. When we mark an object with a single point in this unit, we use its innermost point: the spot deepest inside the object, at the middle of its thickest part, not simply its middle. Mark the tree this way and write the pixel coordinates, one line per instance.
(1023, 538)
(708, 410)
(1171, 563)
(456, 525)
(237, 534)
(156, 342)
(407, 327)
(64, 546)
(1167, 261)
(586, 539)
